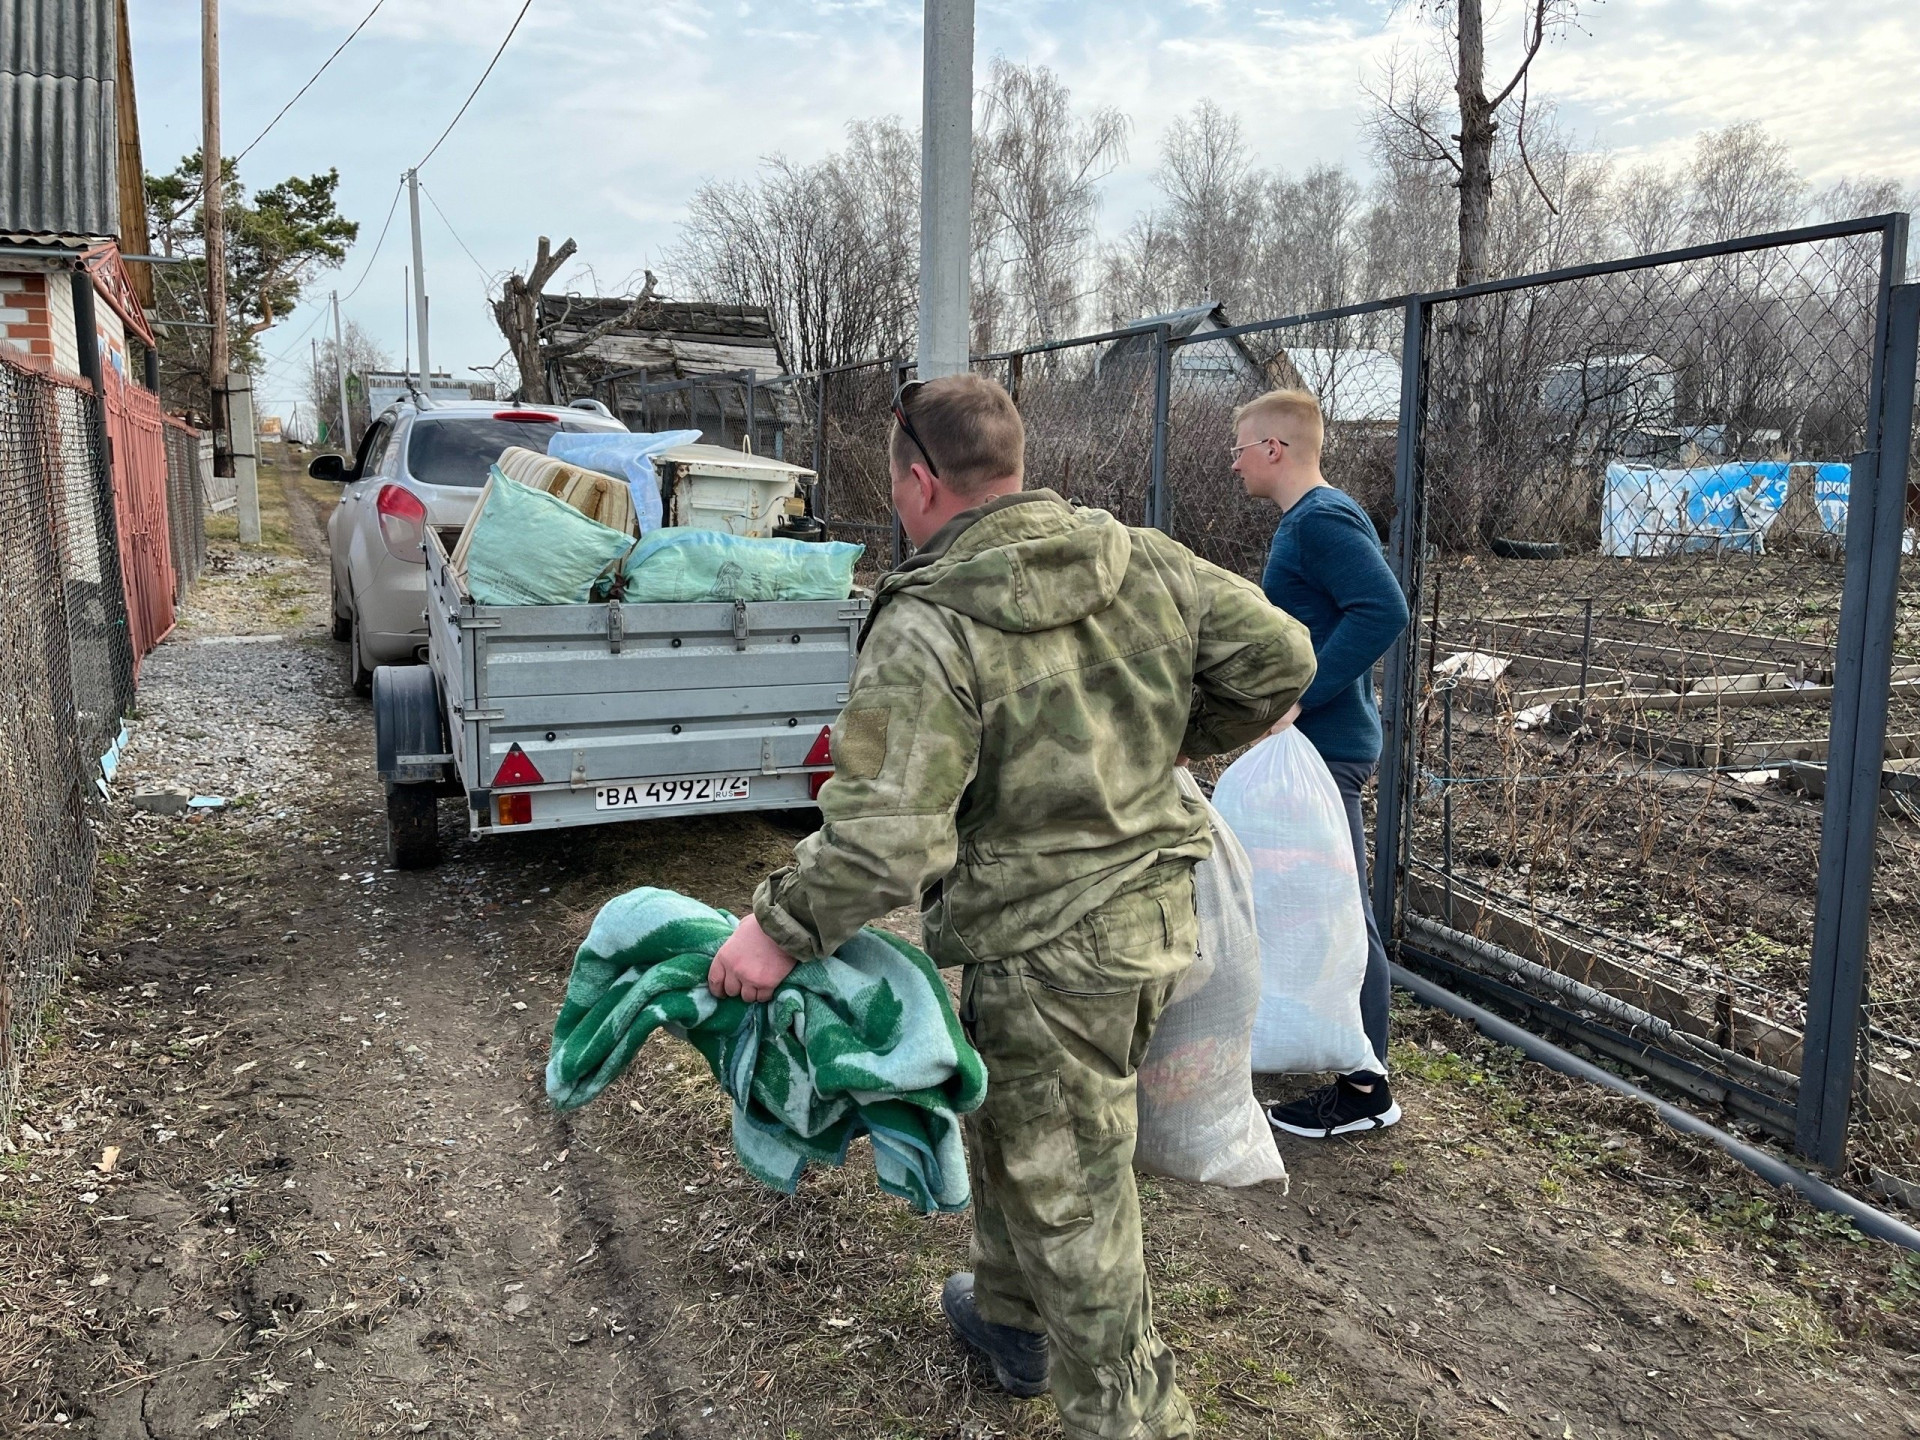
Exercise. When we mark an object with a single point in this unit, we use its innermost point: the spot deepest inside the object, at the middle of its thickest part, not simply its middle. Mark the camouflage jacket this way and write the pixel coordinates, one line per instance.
(1024, 688)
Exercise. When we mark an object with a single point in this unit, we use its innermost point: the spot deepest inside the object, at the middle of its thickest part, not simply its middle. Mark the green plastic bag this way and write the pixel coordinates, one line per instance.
(532, 548)
(679, 564)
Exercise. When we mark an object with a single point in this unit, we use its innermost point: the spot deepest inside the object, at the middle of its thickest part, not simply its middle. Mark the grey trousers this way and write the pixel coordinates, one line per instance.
(1376, 989)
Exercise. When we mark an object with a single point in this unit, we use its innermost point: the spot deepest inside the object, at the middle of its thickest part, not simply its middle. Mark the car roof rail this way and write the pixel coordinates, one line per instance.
(586, 403)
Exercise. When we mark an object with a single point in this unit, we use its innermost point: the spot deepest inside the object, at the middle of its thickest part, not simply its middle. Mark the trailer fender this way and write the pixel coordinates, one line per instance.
(409, 727)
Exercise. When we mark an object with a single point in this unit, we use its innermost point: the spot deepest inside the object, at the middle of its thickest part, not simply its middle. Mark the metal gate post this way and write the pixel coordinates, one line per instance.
(822, 457)
(1876, 517)
(1407, 544)
(1158, 509)
(899, 537)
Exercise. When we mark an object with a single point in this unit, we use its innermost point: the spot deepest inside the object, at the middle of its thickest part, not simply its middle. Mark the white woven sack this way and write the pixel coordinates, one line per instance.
(1198, 1118)
(1280, 799)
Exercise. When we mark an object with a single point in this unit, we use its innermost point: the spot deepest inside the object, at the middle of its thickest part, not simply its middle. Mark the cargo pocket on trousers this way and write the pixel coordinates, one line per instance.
(1046, 1185)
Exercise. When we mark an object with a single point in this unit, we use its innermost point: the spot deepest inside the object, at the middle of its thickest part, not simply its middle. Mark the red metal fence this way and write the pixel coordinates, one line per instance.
(138, 435)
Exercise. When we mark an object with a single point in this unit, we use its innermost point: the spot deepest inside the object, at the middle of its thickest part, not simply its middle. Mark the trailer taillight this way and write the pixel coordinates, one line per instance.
(514, 809)
(820, 754)
(517, 769)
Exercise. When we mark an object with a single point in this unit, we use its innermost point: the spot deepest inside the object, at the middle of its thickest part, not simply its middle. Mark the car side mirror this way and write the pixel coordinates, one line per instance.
(329, 467)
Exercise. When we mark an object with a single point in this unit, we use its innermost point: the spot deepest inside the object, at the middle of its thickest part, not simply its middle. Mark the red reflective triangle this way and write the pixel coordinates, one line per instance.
(822, 751)
(517, 769)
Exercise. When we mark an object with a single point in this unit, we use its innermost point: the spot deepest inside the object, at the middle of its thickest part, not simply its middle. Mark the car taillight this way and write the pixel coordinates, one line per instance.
(514, 809)
(403, 522)
(820, 754)
(527, 417)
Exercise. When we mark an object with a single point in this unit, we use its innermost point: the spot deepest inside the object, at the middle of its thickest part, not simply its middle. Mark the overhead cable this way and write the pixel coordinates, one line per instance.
(315, 76)
(477, 84)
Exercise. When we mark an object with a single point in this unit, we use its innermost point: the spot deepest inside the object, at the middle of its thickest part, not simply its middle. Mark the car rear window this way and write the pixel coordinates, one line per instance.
(457, 449)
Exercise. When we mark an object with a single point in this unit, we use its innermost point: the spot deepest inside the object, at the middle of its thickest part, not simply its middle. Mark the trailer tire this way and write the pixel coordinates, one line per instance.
(413, 827)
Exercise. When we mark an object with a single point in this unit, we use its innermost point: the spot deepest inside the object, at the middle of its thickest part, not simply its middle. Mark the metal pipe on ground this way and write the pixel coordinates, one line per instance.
(1866, 1218)
(1484, 953)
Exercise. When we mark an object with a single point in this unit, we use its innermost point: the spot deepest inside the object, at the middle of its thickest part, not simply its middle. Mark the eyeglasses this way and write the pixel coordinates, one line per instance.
(900, 398)
(1233, 451)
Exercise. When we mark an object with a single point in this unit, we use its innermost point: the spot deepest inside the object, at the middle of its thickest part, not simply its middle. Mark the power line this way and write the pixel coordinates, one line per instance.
(316, 75)
(485, 274)
(478, 83)
(385, 225)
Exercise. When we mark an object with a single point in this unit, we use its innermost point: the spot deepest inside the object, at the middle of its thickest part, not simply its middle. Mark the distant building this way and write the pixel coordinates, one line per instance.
(72, 195)
(384, 387)
(1221, 366)
(1355, 386)
(691, 368)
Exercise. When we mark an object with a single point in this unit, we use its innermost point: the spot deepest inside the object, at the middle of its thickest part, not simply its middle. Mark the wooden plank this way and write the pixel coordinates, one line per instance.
(1724, 1023)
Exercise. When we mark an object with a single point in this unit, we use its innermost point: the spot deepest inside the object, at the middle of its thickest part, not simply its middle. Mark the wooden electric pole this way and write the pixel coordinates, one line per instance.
(213, 217)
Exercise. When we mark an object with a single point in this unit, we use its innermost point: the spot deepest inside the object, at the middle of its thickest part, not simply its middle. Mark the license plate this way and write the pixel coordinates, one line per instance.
(685, 790)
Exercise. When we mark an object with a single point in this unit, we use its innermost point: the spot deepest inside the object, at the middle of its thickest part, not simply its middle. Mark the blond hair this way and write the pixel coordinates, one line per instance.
(971, 426)
(1299, 410)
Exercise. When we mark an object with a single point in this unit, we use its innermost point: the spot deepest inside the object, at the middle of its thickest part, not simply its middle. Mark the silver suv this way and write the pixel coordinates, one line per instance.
(419, 465)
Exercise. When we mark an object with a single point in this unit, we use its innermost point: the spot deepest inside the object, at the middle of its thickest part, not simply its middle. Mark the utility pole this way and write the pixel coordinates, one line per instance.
(214, 217)
(946, 186)
(340, 376)
(419, 284)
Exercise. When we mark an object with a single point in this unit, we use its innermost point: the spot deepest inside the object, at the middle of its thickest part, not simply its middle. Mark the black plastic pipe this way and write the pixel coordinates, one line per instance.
(1866, 1218)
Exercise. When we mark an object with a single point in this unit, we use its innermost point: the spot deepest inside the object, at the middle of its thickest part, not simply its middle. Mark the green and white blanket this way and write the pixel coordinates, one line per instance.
(863, 1042)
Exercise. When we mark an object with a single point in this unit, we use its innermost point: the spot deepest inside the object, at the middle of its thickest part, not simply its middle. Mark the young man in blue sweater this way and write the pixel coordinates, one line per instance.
(1326, 570)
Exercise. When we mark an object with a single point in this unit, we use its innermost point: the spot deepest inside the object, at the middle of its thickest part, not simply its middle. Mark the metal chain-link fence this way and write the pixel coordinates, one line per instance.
(186, 505)
(1635, 486)
(66, 675)
(1619, 499)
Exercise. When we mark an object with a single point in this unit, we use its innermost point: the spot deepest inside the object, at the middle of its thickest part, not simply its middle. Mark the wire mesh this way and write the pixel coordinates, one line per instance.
(1088, 410)
(1635, 498)
(1884, 1136)
(1352, 366)
(186, 506)
(65, 676)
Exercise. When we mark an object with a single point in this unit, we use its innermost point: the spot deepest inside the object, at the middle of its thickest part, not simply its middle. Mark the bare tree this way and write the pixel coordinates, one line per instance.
(1409, 106)
(1741, 181)
(361, 353)
(1037, 175)
(516, 310)
(1649, 210)
(1211, 191)
(830, 249)
(1137, 272)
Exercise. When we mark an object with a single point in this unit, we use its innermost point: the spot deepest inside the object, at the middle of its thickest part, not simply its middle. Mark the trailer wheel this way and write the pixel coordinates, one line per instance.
(413, 827)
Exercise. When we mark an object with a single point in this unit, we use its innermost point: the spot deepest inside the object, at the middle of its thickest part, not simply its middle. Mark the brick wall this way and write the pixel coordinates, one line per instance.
(25, 325)
(36, 321)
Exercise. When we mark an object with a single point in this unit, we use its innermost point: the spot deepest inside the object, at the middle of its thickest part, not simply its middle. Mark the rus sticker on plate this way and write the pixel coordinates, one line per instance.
(683, 790)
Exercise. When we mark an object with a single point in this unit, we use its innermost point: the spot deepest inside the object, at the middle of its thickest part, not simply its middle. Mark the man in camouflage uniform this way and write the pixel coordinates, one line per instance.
(1026, 683)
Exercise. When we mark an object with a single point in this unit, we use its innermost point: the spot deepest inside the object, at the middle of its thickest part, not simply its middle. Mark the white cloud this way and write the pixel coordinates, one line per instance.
(604, 115)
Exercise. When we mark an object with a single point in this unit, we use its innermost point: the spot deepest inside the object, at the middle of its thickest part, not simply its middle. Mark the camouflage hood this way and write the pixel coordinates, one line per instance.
(1023, 563)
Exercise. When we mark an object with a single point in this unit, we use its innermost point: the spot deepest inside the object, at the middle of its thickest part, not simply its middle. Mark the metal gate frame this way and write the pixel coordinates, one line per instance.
(1863, 661)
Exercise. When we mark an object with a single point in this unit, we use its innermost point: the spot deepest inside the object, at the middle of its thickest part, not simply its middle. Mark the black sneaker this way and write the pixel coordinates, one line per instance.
(1337, 1109)
(1018, 1357)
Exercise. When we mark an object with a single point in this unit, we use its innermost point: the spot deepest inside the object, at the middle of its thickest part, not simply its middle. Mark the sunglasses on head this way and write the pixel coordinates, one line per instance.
(901, 398)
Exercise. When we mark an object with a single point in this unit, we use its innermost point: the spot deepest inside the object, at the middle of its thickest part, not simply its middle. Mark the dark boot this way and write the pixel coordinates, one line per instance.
(1018, 1357)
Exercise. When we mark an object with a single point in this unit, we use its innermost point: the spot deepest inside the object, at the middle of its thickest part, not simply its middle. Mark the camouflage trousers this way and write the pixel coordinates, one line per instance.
(1056, 1217)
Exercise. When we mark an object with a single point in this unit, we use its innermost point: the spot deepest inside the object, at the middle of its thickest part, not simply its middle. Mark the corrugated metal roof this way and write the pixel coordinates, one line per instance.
(58, 128)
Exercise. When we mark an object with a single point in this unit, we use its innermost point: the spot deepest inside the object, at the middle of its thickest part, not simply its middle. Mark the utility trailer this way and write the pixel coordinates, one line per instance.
(544, 716)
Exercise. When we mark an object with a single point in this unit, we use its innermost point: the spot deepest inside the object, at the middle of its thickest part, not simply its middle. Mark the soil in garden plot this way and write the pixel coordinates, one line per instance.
(285, 1168)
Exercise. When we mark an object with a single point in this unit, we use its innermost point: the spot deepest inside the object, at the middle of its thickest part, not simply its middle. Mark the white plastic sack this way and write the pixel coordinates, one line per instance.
(1198, 1118)
(1281, 801)
(625, 455)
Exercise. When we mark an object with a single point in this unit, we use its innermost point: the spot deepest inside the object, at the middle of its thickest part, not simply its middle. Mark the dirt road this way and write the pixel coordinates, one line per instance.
(285, 1168)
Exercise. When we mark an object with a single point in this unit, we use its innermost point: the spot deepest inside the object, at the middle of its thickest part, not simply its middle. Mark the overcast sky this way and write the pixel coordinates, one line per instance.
(604, 115)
